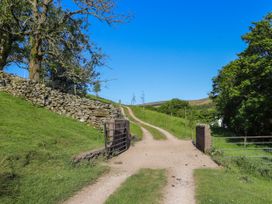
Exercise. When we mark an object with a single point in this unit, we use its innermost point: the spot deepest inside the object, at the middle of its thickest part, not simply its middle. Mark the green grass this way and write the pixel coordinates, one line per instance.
(251, 159)
(145, 187)
(226, 187)
(220, 142)
(157, 135)
(98, 98)
(36, 148)
(179, 127)
(136, 131)
(243, 179)
(135, 128)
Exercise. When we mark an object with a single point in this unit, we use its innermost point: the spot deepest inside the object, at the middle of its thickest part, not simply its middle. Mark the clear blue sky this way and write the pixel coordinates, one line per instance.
(173, 49)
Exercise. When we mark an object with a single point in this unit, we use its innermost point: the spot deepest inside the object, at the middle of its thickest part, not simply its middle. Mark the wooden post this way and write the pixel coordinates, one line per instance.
(245, 141)
(203, 138)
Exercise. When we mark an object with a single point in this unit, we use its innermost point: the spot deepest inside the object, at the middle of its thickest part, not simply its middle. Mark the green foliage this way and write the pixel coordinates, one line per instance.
(97, 87)
(202, 113)
(36, 148)
(175, 107)
(52, 41)
(194, 113)
(12, 43)
(145, 187)
(243, 89)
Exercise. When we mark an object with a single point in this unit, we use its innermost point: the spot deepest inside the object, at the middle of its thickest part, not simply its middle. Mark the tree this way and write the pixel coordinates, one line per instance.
(44, 27)
(97, 88)
(67, 68)
(175, 107)
(12, 42)
(243, 89)
(43, 31)
(53, 40)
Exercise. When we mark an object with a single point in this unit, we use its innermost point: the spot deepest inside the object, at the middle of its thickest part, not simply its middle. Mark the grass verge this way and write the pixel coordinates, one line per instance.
(157, 135)
(145, 187)
(242, 180)
(36, 147)
(135, 128)
(103, 100)
(136, 131)
(225, 187)
(179, 127)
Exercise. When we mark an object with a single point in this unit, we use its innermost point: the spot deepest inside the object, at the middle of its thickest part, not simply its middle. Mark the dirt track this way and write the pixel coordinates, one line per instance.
(178, 157)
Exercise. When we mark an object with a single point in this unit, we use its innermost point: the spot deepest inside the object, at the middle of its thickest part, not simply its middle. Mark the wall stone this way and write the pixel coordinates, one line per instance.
(83, 109)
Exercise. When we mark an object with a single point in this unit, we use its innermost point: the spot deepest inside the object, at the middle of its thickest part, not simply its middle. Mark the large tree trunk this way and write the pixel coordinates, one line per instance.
(35, 59)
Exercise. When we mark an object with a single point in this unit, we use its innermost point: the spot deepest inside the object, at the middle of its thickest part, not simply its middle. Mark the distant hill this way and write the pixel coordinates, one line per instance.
(198, 102)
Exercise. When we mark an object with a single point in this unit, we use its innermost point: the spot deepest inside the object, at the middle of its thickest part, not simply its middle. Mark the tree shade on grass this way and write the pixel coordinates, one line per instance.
(177, 126)
(145, 187)
(36, 148)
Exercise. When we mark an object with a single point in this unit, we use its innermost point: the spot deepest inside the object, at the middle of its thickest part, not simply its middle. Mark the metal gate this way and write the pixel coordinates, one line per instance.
(117, 136)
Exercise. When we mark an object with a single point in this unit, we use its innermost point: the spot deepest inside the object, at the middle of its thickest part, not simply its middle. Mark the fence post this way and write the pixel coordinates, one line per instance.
(203, 138)
(245, 141)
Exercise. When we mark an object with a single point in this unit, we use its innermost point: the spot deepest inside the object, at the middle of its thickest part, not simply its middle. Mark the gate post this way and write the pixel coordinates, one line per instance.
(203, 138)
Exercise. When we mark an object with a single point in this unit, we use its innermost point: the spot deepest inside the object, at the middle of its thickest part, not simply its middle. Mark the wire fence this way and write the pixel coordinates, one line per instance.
(254, 147)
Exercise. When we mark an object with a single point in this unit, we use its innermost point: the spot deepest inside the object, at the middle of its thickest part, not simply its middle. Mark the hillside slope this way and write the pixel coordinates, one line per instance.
(36, 147)
(179, 127)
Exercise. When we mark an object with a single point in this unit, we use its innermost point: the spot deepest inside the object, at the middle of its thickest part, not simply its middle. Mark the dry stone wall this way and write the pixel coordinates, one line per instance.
(85, 110)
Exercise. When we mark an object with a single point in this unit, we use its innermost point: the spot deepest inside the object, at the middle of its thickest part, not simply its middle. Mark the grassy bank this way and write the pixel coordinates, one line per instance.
(177, 126)
(36, 147)
(98, 98)
(136, 131)
(144, 187)
(157, 135)
(242, 180)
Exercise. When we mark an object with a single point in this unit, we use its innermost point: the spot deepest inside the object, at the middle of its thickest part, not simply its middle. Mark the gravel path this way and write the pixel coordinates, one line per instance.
(178, 157)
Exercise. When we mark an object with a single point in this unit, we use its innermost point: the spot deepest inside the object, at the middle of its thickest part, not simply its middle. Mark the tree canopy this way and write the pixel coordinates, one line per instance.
(243, 89)
(175, 107)
(52, 40)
